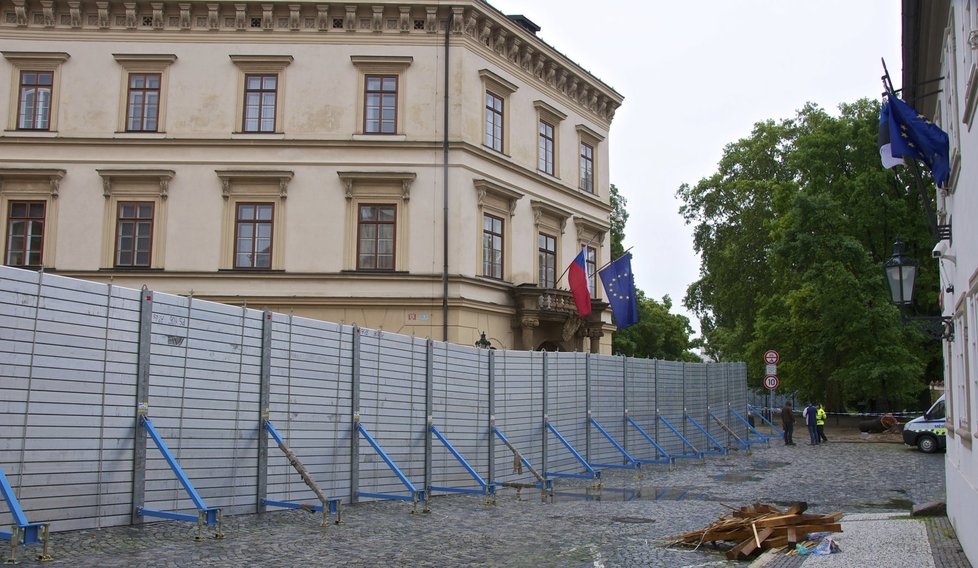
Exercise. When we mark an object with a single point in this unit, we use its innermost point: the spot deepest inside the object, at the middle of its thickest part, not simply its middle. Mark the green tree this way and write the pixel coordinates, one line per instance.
(658, 333)
(792, 230)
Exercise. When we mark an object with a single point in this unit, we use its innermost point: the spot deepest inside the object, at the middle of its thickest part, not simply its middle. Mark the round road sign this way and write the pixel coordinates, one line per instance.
(771, 357)
(771, 382)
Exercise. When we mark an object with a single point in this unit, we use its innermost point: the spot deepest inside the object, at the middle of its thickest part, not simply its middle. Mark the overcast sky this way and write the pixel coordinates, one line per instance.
(697, 76)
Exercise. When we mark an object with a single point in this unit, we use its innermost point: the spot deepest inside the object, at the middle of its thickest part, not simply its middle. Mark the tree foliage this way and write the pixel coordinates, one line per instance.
(792, 230)
(658, 333)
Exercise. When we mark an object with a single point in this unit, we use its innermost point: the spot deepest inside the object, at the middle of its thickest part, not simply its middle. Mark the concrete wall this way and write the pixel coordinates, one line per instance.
(70, 361)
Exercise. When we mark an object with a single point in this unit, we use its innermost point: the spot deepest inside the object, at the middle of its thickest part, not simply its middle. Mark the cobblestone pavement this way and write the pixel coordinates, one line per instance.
(625, 526)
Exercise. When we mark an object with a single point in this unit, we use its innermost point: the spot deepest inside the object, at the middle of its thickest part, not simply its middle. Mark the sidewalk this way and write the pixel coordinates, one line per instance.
(893, 540)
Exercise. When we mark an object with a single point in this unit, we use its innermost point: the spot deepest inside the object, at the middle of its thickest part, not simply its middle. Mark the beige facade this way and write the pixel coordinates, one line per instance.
(310, 158)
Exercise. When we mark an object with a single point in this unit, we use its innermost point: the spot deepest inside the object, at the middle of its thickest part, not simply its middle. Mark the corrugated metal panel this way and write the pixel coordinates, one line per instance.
(310, 406)
(392, 405)
(669, 399)
(694, 397)
(460, 402)
(519, 411)
(716, 401)
(68, 357)
(640, 396)
(567, 409)
(607, 407)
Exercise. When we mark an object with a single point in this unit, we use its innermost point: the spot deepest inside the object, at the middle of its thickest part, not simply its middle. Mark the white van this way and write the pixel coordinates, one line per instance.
(928, 432)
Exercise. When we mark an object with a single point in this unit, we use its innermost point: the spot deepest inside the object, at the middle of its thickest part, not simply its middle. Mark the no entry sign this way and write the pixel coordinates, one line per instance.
(771, 382)
(771, 357)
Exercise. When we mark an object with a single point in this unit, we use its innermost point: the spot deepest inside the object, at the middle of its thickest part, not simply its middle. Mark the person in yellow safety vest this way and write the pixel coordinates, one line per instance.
(820, 423)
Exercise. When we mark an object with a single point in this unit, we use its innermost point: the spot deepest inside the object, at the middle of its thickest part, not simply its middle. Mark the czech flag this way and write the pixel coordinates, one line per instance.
(577, 278)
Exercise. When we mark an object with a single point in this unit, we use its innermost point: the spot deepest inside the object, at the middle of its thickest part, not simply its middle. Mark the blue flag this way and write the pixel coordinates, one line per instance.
(620, 288)
(913, 136)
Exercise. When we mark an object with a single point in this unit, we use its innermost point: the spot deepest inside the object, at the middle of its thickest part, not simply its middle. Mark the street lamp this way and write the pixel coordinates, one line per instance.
(901, 275)
(483, 343)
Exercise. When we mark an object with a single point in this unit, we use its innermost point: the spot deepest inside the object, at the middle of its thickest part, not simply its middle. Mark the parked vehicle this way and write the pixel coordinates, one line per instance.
(928, 432)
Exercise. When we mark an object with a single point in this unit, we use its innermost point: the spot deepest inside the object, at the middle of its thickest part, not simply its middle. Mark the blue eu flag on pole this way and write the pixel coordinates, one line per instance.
(913, 136)
(619, 286)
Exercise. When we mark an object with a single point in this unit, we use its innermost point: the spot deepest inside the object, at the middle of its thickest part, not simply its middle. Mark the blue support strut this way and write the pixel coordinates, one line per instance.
(780, 433)
(719, 448)
(592, 474)
(659, 449)
(486, 488)
(696, 453)
(25, 532)
(765, 437)
(415, 493)
(632, 462)
(205, 515)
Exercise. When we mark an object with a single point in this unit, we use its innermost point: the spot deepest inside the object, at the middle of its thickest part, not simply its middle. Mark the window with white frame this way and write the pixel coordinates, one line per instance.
(381, 93)
(144, 89)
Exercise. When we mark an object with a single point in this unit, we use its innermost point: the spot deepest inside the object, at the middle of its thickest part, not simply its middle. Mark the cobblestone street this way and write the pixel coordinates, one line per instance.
(624, 526)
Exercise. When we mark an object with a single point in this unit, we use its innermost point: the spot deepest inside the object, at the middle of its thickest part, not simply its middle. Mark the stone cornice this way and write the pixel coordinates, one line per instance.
(484, 28)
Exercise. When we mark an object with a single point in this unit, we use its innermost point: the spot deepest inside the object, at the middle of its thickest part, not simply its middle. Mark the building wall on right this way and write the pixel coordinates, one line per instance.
(940, 41)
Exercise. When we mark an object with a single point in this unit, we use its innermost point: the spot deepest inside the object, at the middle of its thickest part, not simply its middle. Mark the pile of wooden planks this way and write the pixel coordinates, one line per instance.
(760, 527)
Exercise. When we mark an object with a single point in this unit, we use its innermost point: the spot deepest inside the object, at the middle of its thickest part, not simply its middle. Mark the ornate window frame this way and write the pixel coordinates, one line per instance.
(493, 83)
(376, 188)
(588, 136)
(498, 200)
(24, 184)
(547, 114)
(254, 186)
(143, 63)
(267, 65)
(34, 61)
(134, 185)
(380, 65)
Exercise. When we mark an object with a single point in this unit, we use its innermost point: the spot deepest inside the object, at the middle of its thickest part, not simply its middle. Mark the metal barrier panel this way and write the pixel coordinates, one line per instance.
(68, 397)
(640, 403)
(736, 375)
(460, 401)
(669, 379)
(519, 411)
(694, 399)
(567, 409)
(392, 409)
(203, 400)
(607, 407)
(309, 403)
(716, 399)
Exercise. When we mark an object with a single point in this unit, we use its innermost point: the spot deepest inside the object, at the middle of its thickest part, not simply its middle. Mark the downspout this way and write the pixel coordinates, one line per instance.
(444, 145)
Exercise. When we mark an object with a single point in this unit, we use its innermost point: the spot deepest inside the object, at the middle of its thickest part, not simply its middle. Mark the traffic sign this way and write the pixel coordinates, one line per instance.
(771, 357)
(770, 369)
(771, 382)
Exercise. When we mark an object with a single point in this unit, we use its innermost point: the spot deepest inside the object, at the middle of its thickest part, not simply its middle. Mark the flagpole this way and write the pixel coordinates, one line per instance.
(575, 256)
(605, 265)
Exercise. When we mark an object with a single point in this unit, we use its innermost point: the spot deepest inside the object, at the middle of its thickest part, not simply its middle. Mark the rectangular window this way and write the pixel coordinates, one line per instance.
(545, 151)
(494, 122)
(492, 247)
(587, 168)
(34, 111)
(253, 235)
(143, 106)
(375, 237)
(380, 113)
(547, 257)
(591, 263)
(25, 234)
(259, 103)
(134, 234)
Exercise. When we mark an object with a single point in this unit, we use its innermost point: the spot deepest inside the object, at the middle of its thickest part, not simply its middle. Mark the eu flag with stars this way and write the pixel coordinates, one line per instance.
(620, 289)
(913, 136)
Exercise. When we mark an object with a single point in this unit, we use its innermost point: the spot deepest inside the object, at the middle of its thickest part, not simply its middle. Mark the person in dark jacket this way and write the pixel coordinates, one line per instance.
(788, 423)
(811, 421)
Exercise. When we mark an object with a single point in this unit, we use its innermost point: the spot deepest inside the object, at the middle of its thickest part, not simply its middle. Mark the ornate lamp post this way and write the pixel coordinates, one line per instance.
(483, 343)
(901, 275)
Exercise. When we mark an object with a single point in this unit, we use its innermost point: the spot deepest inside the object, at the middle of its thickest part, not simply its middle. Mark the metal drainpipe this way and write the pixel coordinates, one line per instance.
(444, 270)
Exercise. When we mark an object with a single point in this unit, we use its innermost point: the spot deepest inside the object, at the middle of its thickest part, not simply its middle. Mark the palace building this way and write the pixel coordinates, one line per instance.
(421, 168)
